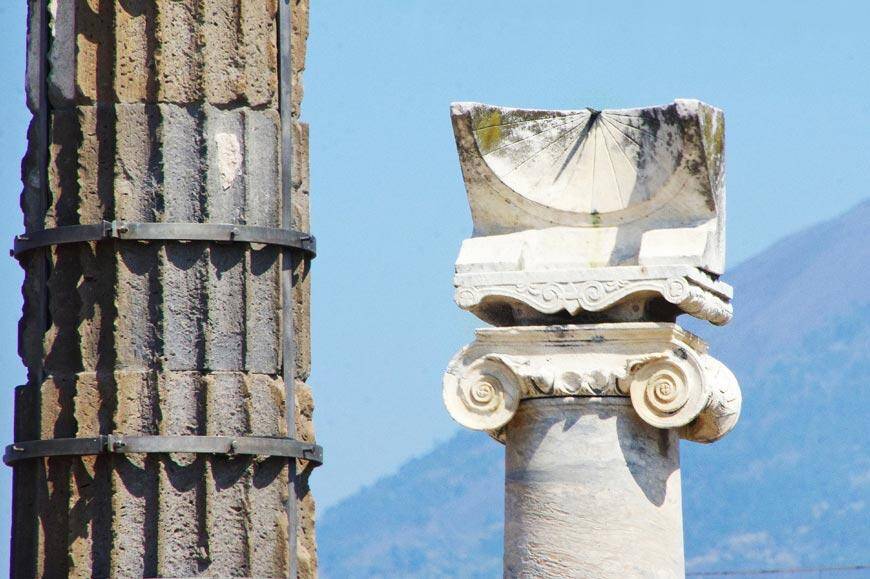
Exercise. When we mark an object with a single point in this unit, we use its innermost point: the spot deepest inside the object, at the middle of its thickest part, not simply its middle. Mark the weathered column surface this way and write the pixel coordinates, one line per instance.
(593, 231)
(160, 111)
(586, 467)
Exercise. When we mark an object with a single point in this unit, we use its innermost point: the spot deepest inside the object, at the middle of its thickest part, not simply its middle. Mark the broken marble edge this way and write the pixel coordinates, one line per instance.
(465, 107)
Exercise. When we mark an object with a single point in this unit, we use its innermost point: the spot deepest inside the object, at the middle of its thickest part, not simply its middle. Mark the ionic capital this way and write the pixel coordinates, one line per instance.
(665, 371)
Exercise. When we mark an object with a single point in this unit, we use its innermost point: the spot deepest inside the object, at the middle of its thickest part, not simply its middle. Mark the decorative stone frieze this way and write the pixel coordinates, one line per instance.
(550, 292)
(666, 371)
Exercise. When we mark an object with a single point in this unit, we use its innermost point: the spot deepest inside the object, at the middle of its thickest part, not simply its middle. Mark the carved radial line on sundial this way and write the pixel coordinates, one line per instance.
(581, 161)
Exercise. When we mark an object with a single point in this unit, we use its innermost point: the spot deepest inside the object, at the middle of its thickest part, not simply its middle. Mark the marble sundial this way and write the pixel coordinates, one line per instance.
(586, 212)
(593, 231)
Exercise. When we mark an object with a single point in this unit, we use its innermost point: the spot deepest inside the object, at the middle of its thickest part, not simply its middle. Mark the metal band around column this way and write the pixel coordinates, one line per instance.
(166, 231)
(119, 444)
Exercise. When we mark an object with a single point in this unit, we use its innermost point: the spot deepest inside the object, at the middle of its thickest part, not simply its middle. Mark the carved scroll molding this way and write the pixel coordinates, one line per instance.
(595, 290)
(671, 380)
(485, 396)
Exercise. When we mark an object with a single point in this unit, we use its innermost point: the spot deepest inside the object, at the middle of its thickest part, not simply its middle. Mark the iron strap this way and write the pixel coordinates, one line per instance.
(119, 444)
(166, 231)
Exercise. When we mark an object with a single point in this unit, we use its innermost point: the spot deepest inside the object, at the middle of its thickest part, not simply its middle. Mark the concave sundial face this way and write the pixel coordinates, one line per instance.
(581, 161)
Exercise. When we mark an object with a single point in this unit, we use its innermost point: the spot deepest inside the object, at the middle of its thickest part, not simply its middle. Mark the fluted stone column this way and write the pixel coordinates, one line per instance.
(161, 111)
(593, 231)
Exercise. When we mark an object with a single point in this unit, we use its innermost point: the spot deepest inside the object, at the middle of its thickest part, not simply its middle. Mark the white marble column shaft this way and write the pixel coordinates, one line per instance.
(591, 491)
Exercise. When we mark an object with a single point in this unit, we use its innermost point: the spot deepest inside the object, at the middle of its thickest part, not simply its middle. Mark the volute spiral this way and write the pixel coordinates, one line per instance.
(668, 392)
(485, 396)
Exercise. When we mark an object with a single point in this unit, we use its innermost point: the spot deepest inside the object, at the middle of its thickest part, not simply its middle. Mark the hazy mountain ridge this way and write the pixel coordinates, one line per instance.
(790, 486)
(796, 472)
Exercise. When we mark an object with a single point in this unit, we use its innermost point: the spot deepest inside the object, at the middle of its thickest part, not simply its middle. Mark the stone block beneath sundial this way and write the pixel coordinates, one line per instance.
(615, 213)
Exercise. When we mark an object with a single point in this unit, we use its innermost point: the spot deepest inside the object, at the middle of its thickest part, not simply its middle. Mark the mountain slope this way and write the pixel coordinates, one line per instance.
(790, 486)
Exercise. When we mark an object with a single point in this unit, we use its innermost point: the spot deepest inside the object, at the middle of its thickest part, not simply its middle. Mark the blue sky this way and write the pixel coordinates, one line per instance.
(388, 204)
